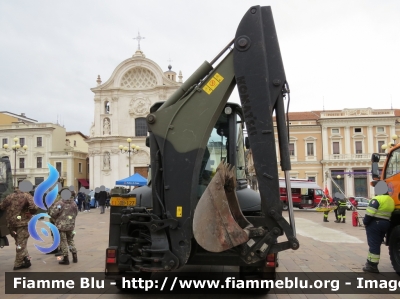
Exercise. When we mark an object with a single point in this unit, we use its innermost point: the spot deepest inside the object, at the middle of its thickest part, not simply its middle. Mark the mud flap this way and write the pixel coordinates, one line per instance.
(218, 222)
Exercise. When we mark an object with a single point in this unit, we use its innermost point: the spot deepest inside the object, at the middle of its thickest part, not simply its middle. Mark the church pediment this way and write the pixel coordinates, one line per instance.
(136, 73)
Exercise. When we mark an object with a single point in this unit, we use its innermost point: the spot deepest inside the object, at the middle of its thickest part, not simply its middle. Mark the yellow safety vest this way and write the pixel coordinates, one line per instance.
(385, 209)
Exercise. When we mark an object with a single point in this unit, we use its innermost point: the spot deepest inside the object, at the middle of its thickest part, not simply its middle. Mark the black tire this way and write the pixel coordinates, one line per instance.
(285, 206)
(394, 248)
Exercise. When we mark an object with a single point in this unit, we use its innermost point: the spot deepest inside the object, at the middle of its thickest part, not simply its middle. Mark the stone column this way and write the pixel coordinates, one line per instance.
(347, 140)
(98, 124)
(370, 138)
(349, 183)
(115, 120)
(325, 144)
(91, 172)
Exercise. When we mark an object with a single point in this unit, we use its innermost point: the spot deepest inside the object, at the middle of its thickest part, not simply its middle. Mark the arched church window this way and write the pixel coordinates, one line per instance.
(140, 126)
(106, 126)
(138, 77)
(106, 107)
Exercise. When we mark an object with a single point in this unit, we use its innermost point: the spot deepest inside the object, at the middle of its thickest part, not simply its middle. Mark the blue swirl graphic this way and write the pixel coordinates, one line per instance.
(45, 185)
(32, 231)
(51, 196)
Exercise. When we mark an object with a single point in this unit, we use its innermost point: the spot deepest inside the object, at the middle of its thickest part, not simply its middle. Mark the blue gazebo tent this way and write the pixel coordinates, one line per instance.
(134, 180)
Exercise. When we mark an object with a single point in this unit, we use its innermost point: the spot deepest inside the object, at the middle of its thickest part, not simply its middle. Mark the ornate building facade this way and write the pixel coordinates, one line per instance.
(121, 105)
(338, 144)
(46, 143)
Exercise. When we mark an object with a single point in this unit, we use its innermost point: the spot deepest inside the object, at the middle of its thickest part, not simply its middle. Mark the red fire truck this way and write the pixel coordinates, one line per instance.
(305, 194)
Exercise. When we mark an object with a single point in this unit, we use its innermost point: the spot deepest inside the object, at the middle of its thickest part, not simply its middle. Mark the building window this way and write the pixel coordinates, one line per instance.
(380, 129)
(358, 147)
(311, 178)
(21, 163)
(22, 141)
(335, 131)
(338, 177)
(39, 162)
(38, 180)
(74, 142)
(310, 149)
(291, 149)
(140, 127)
(107, 107)
(4, 141)
(58, 167)
(80, 167)
(39, 141)
(357, 130)
(335, 148)
(380, 149)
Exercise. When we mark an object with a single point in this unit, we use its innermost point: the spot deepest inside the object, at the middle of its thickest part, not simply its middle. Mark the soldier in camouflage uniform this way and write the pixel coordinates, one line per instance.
(19, 207)
(64, 213)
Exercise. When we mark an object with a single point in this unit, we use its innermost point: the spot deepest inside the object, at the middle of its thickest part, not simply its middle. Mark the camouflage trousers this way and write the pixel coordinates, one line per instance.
(20, 235)
(67, 241)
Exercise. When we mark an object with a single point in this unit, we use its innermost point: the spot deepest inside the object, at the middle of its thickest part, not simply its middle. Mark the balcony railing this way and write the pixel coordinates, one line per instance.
(363, 156)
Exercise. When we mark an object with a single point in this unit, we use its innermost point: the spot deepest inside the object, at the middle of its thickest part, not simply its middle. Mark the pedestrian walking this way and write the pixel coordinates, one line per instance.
(81, 199)
(20, 207)
(108, 200)
(96, 197)
(377, 223)
(64, 213)
(87, 203)
(102, 198)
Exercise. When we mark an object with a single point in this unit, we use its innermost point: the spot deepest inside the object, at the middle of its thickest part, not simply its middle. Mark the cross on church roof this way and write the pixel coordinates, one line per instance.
(139, 38)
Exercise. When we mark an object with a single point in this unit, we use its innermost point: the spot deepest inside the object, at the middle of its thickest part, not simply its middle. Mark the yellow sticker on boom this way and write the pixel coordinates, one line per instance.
(179, 211)
(213, 83)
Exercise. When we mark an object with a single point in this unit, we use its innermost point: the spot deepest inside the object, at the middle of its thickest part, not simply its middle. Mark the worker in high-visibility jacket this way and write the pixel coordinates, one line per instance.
(377, 223)
(342, 207)
(326, 204)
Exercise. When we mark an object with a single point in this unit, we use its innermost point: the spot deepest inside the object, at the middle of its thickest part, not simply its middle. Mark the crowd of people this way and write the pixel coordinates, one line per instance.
(101, 198)
(20, 208)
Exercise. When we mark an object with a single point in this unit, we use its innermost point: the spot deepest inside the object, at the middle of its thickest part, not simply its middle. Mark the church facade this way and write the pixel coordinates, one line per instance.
(121, 105)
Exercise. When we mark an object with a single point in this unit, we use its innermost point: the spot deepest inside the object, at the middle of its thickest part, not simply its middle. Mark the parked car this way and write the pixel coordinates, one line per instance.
(362, 202)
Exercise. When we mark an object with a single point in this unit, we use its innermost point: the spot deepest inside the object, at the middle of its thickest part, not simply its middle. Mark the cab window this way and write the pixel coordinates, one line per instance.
(393, 164)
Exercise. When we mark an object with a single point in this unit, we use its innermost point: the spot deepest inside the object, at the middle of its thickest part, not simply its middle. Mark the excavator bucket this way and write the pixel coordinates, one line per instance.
(218, 223)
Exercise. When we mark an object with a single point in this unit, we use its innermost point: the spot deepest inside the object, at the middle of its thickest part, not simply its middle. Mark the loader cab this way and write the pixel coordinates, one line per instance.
(226, 143)
(391, 174)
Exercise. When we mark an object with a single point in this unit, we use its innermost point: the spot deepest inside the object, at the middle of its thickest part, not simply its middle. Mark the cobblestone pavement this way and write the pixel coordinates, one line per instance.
(324, 247)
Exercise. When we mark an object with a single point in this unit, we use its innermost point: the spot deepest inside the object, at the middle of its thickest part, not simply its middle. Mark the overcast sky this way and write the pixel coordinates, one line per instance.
(344, 54)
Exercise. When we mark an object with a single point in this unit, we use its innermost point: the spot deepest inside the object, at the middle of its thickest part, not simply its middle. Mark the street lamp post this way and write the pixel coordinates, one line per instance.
(131, 148)
(16, 148)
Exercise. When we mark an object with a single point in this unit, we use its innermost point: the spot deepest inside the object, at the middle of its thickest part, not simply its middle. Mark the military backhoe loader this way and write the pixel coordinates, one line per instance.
(197, 210)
